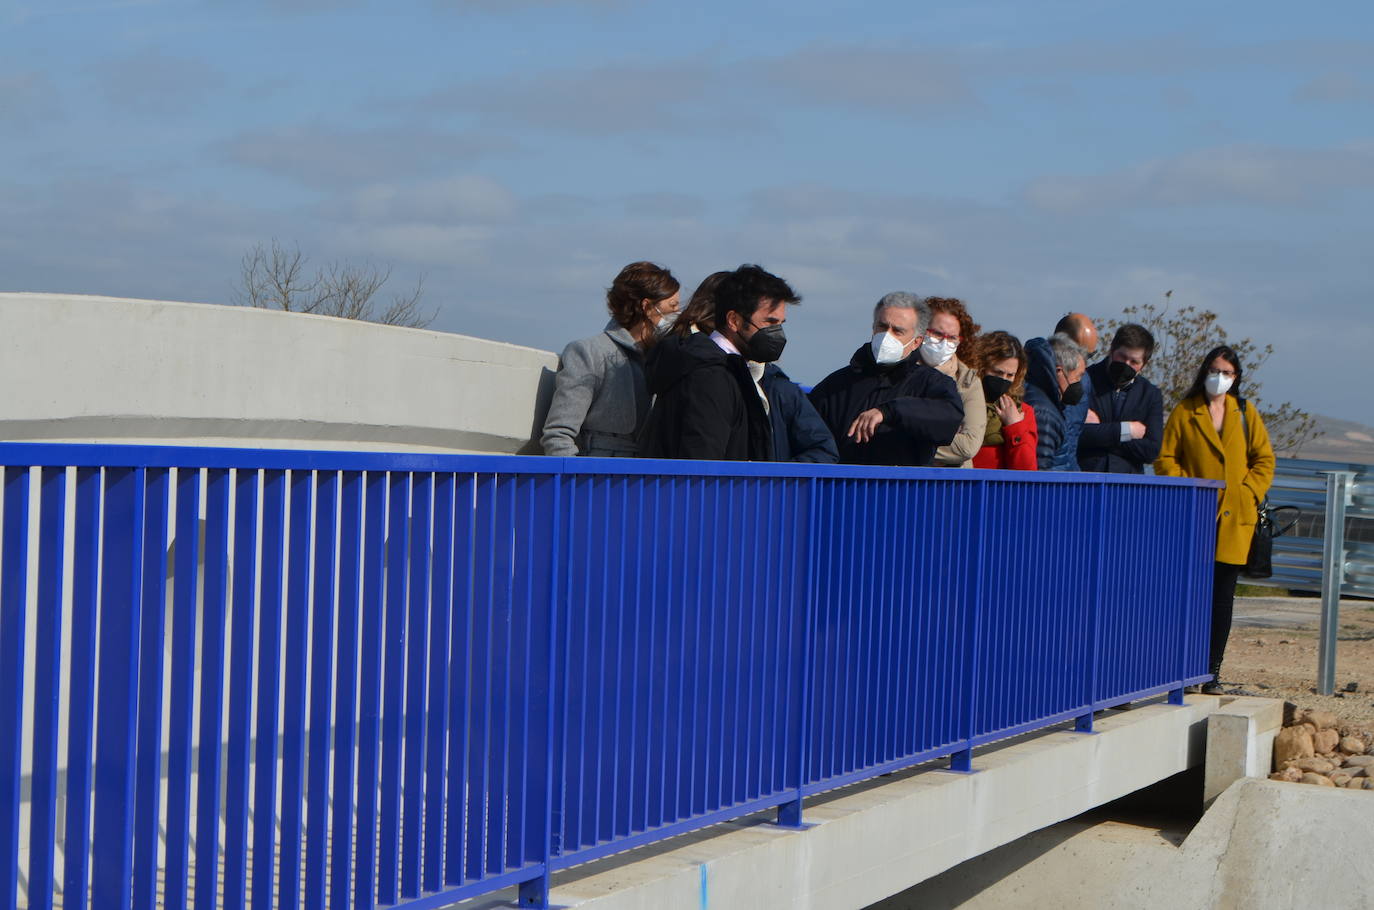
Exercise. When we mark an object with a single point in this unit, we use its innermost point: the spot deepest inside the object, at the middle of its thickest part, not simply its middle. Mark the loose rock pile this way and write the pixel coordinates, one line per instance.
(1314, 748)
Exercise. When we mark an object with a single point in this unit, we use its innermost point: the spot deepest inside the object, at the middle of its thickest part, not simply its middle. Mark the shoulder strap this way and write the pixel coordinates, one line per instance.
(1244, 424)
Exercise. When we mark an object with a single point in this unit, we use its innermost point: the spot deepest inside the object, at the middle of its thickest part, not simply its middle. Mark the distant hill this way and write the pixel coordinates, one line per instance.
(1341, 440)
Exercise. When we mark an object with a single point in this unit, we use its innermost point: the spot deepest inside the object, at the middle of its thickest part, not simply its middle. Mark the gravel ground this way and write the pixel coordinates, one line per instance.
(1273, 652)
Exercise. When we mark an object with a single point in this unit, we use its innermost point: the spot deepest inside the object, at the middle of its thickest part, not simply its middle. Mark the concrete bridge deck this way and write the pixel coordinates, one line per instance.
(869, 841)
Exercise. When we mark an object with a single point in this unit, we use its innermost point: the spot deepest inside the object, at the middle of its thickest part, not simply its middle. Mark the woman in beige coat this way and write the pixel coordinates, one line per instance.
(1207, 437)
(950, 334)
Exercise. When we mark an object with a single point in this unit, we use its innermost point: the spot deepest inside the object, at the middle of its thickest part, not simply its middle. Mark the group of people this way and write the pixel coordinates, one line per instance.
(928, 388)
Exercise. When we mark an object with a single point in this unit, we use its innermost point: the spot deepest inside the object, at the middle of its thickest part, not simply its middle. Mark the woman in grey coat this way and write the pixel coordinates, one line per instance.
(600, 398)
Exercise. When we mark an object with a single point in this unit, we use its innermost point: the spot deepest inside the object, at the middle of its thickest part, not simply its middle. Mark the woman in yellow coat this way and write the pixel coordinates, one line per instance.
(1206, 437)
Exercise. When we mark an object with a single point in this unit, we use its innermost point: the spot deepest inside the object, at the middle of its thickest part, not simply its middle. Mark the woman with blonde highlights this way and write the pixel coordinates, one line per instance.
(1010, 437)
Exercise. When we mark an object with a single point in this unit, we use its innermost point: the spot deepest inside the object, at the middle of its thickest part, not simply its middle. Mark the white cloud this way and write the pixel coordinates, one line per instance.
(1230, 175)
(155, 83)
(1336, 88)
(887, 79)
(319, 155)
(26, 98)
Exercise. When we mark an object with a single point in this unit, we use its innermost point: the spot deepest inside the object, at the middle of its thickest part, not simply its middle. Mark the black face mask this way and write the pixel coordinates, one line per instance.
(1073, 394)
(765, 345)
(1121, 374)
(994, 387)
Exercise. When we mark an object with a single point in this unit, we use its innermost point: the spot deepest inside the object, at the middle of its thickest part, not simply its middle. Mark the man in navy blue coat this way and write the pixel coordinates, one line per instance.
(887, 407)
(1125, 421)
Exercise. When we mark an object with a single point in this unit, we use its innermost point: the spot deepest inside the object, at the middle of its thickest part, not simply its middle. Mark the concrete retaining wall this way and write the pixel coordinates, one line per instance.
(106, 369)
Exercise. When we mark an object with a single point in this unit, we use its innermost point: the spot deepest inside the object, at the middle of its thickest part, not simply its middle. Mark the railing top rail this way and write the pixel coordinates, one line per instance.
(1307, 466)
(155, 456)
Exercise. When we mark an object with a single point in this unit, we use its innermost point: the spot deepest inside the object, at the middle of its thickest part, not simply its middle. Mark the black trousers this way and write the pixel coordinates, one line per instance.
(1224, 576)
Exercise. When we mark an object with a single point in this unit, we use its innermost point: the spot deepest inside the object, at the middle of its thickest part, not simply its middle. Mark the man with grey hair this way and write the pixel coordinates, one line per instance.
(887, 407)
(1053, 384)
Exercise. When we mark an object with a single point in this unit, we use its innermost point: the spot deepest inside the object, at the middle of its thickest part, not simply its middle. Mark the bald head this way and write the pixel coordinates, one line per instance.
(1081, 329)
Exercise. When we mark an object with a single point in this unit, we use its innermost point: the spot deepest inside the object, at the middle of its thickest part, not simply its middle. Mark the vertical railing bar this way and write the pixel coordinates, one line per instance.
(533, 892)
(212, 652)
(321, 688)
(460, 662)
(369, 688)
(121, 598)
(180, 731)
(536, 892)
(269, 689)
(240, 746)
(497, 814)
(438, 706)
(294, 687)
(663, 643)
(615, 693)
(523, 756)
(655, 760)
(152, 635)
(1084, 722)
(81, 717)
(52, 515)
(398, 546)
(481, 655)
(973, 619)
(14, 577)
(566, 834)
(790, 814)
(346, 691)
(417, 640)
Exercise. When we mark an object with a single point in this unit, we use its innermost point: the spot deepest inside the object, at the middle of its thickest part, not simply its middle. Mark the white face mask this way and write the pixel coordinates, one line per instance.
(886, 349)
(937, 352)
(665, 322)
(1217, 384)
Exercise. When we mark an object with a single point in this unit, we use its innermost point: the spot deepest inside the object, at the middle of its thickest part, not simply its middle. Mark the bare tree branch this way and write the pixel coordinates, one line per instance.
(274, 277)
(1182, 338)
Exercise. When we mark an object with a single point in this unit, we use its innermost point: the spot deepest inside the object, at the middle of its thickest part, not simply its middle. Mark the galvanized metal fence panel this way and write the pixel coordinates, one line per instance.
(1298, 555)
(297, 679)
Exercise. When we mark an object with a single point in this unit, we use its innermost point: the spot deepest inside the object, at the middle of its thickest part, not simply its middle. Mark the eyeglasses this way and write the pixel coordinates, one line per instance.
(1229, 374)
(937, 336)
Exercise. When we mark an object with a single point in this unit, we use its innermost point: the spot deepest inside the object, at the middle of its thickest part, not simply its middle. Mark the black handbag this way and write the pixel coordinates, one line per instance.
(1272, 521)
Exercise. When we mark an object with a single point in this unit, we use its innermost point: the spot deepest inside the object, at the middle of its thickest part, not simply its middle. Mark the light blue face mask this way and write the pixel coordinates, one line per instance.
(666, 321)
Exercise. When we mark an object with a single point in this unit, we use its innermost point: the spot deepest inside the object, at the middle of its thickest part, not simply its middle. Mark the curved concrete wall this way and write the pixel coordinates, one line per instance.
(106, 369)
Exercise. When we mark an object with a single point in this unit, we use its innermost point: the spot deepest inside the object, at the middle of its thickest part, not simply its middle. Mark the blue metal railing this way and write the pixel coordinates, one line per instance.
(283, 679)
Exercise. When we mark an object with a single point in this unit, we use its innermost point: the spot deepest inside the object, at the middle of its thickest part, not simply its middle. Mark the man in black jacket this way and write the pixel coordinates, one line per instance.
(1125, 422)
(887, 407)
(708, 404)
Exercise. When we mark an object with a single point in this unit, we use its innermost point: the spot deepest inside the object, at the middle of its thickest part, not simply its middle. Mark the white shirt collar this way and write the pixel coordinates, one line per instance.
(724, 344)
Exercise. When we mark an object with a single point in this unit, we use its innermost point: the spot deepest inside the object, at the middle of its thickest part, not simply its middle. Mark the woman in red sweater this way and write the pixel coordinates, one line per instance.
(1009, 441)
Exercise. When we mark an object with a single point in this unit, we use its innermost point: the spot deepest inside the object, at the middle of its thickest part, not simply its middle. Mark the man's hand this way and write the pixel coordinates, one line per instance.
(1092, 417)
(1137, 429)
(865, 425)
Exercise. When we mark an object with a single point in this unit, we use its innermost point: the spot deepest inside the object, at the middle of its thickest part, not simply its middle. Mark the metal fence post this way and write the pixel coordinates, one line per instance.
(962, 760)
(1083, 723)
(1338, 489)
(535, 892)
(790, 813)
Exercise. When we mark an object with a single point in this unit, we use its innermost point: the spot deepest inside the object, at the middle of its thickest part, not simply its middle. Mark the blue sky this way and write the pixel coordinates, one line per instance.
(1031, 159)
